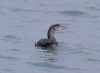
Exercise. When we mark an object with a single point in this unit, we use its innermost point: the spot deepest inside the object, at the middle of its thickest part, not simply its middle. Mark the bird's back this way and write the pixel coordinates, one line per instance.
(45, 43)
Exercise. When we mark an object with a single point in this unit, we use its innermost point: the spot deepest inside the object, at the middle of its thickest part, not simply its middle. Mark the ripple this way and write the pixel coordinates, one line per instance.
(93, 8)
(10, 70)
(11, 38)
(93, 60)
(13, 50)
(46, 65)
(73, 12)
(8, 57)
(2, 13)
(52, 66)
(18, 26)
(34, 20)
(21, 10)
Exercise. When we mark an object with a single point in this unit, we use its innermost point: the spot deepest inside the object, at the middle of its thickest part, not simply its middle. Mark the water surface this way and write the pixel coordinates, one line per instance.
(24, 22)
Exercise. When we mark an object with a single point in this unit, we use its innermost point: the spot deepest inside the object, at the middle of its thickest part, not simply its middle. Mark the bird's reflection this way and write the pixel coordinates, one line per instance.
(49, 54)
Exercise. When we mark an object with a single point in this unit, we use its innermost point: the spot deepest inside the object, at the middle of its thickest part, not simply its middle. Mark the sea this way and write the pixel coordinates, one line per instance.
(24, 22)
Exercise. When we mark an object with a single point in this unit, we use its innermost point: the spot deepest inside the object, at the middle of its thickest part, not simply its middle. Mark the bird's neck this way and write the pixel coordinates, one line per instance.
(51, 35)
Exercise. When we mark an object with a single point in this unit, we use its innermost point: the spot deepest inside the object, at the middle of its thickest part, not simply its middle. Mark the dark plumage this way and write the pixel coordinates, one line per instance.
(45, 43)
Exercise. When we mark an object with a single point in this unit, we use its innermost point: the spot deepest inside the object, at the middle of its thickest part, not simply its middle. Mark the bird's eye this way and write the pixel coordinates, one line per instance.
(57, 26)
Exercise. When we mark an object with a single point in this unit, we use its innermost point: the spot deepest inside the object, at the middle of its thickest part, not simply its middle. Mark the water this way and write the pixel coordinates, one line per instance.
(24, 22)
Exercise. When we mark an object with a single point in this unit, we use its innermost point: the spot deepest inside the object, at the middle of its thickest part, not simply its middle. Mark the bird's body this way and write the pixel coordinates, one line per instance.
(46, 43)
(51, 40)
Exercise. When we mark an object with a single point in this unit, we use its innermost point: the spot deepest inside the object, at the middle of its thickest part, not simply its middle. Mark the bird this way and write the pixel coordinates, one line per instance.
(51, 37)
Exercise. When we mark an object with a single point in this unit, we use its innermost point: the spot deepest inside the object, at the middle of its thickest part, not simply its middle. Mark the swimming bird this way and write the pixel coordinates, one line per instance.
(51, 38)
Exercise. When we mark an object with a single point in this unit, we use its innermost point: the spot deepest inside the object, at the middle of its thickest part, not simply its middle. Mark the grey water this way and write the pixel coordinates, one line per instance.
(24, 22)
